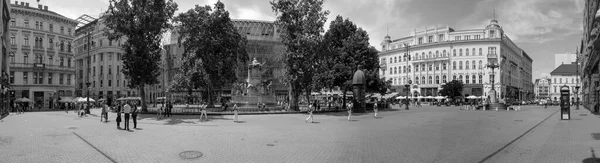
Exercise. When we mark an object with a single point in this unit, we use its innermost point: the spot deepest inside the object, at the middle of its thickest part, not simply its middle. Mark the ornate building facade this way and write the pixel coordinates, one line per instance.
(41, 54)
(263, 44)
(564, 75)
(439, 55)
(589, 56)
(98, 62)
(542, 88)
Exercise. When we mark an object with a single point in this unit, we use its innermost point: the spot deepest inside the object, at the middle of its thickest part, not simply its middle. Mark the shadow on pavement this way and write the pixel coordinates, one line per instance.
(138, 128)
(240, 122)
(592, 159)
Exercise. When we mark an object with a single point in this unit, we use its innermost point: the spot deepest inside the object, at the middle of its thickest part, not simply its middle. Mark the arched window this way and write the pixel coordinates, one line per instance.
(466, 65)
(430, 80)
(62, 45)
(409, 68)
(416, 68)
(437, 54)
(423, 55)
(480, 51)
(69, 47)
(395, 81)
(437, 79)
(467, 52)
(480, 64)
(422, 80)
(480, 79)
(404, 69)
(444, 66)
(460, 78)
(423, 67)
(395, 70)
(467, 79)
(474, 52)
(417, 80)
(460, 65)
(429, 56)
(474, 79)
(444, 79)
(474, 66)
(430, 67)
(454, 65)
(459, 52)
(417, 55)
(454, 77)
(437, 66)
(454, 52)
(444, 53)
(391, 70)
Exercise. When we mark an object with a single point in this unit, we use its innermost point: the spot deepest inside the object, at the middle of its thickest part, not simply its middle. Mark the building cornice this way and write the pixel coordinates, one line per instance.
(43, 14)
(443, 43)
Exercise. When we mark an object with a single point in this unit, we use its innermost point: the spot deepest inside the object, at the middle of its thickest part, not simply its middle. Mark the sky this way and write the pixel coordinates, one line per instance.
(540, 27)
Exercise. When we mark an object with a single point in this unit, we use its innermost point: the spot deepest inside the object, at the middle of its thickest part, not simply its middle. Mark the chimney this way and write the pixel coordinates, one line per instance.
(22, 3)
(27, 4)
(16, 2)
(46, 8)
(40, 7)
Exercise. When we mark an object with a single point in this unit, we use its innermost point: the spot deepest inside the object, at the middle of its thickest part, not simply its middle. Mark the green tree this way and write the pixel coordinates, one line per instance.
(141, 23)
(214, 46)
(452, 89)
(301, 23)
(345, 47)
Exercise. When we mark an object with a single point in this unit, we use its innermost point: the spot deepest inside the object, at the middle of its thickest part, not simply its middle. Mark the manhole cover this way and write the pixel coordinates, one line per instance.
(190, 154)
(582, 114)
(72, 128)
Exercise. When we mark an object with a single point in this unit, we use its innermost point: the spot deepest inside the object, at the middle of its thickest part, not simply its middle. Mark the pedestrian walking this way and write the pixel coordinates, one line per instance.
(118, 117)
(235, 113)
(134, 116)
(104, 113)
(126, 111)
(375, 109)
(311, 107)
(158, 112)
(203, 112)
(349, 110)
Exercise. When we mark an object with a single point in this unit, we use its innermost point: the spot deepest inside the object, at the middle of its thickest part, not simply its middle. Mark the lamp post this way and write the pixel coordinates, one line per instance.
(88, 83)
(492, 64)
(577, 83)
(408, 81)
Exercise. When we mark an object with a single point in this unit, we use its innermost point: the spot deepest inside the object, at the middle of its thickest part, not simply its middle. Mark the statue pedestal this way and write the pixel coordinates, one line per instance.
(492, 95)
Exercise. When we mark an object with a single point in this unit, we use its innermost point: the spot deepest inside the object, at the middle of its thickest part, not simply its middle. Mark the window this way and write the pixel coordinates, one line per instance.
(454, 77)
(62, 30)
(80, 74)
(417, 80)
(11, 78)
(423, 67)
(560, 80)
(460, 78)
(38, 59)
(109, 83)
(391, 60)
(395, 60)
(50, 60)
(467, 52)
(420, 40)
(555, 87)
(437, 66)
(491, 50)
(454, 52)
(69, 31)
(459, 52)
(50, 43)
(474, 52)
(474, 66)
(444, 79)
(492, 33)
(474, 79)
(416, 68)
(51, 27)
(101, 57)
(13, 39)
(25, 57)
(69, 47)
(431, 67)
(437, 79)
(480, 79)
(62, 45)
(444, 53)
(404, 69)
(466, 65)
(109, 42)
(467, 79)
(441, 37)
(430, 39)
(437, 54)
(444, 66)
(456, 38)
(49, 78)
(26, 40)
(110, 56)
(460, 66)
(40, 78)
(467, 37)
(13, 22)
(26, 23)
(423, 80)
(62, 61)
(572, 80)
(409, 68)
(94, 72)
(94, 84)
(476, 37)
(391, 70)
(69, 79)
(423, 55)
(101, 83)
(12, 57)
(24, 77)
(69, 62)
(117, 83)
(454, 65)
(430, 80)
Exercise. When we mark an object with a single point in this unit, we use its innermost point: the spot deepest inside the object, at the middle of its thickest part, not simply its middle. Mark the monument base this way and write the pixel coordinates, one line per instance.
(492, 95)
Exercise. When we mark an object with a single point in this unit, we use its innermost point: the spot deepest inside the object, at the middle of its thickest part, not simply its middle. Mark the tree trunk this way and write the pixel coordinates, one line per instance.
(210, 97)
(293, 96)
(143, 96)
(189, 98)
(308, 91)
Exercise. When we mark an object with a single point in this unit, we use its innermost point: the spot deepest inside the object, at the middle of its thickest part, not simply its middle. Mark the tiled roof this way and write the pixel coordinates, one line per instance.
(565, 69)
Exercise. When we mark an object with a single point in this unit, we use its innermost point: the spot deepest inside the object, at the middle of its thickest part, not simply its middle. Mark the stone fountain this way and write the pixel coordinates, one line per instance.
(254, 91)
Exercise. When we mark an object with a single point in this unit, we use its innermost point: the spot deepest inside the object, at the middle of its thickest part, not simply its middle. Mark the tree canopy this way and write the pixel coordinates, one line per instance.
(301, 23)
(141, 23)
(213, 48)
(452, 89)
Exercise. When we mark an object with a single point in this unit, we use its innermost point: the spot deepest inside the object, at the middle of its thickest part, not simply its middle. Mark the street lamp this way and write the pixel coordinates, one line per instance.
(89, 46)
(577, 83)
(407, 80)
(492, 64)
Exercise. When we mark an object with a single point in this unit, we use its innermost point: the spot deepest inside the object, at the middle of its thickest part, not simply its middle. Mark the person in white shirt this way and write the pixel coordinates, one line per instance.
(203, 112)
(310, 113)
(127, 110)
(104, 112)
(349, 110)
(375, 109)
(235, 112)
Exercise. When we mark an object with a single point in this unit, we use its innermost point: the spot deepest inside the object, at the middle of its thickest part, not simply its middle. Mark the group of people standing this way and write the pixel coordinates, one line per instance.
(349, 107)
(127, 109)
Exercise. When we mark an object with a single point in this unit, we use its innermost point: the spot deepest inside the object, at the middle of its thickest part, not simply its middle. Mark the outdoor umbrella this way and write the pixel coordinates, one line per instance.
(429, 97)
(24, 99)
(86, 99)
(401, 97)
(472, 97)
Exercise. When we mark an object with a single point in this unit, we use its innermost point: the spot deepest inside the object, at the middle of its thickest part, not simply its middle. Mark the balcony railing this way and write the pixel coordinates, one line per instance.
(42, 66)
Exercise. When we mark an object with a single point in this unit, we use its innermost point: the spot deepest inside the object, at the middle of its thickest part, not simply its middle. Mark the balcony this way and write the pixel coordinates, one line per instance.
(431, 59)
(41, 66)
(25, 47)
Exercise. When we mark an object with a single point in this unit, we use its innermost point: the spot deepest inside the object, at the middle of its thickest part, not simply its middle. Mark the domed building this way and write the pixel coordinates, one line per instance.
(442, 54)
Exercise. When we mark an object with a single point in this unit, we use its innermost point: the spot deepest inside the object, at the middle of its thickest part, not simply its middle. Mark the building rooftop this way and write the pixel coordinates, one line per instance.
(565, 69)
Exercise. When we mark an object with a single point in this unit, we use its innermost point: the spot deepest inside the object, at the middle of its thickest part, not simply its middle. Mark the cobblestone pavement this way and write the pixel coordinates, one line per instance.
(424, 134)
